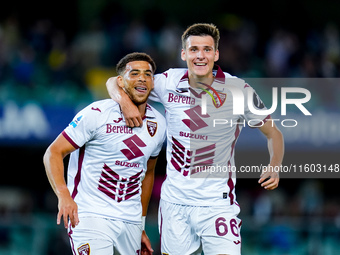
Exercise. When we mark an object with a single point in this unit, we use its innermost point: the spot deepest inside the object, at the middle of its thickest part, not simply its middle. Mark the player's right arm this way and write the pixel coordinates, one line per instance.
(54, 166)
(147, 186)
(129, 109)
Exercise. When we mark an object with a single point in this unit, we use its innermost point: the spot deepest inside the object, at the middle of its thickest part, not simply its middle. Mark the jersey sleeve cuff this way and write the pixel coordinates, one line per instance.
(260, 124)
(70, 140)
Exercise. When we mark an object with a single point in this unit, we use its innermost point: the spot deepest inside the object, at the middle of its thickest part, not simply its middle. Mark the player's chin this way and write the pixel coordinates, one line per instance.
(140, 100)
(201, 72)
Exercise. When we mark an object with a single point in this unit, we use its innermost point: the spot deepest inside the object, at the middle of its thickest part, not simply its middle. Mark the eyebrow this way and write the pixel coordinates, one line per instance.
(139, 70)
(204, 46)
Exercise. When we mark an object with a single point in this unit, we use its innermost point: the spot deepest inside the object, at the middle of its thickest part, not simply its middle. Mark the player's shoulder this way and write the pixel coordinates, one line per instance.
(173, 73)
(101, 106)
(236, 81)
(228, 75)
(156, 114)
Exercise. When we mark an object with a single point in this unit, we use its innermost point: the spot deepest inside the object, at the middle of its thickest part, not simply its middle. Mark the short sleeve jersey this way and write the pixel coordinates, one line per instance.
(195, 142)
(105, 173)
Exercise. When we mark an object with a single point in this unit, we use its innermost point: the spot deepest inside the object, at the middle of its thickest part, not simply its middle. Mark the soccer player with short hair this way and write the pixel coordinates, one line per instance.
(111, 167)
(198, 209)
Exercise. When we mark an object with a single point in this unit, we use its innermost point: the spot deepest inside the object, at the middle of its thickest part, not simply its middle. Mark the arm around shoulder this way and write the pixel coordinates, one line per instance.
(129, 109)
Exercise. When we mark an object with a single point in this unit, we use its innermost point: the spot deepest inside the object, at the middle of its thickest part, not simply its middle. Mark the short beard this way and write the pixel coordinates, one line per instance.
(137, 103)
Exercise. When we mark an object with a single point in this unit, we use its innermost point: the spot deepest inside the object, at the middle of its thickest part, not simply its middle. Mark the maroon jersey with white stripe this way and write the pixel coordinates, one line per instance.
(196, 145)
(105, 173)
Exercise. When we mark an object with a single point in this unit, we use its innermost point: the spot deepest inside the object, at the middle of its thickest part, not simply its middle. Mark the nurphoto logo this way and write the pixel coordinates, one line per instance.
(256, 106)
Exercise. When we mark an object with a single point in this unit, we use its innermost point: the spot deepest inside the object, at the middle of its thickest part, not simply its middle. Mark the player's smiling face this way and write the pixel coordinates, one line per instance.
(137, 81)
(200, 55)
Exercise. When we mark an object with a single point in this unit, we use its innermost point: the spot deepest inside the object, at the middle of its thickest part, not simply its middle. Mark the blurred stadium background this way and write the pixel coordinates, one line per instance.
(55, 57)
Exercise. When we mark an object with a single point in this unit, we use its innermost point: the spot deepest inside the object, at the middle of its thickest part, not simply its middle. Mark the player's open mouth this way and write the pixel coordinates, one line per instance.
(200, 64)
(141, 89)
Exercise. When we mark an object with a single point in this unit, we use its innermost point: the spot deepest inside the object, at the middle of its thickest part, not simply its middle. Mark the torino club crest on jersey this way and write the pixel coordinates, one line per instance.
(84, 249)
(219, 100)
(152, 127)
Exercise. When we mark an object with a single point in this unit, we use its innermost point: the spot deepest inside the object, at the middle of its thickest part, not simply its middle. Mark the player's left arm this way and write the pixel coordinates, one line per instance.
(54, 166)
(270, 178)
(147, 186)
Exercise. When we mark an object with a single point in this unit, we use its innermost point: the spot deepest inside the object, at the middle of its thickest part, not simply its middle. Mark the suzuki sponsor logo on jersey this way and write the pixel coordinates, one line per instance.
(193, 136)
(126, 164)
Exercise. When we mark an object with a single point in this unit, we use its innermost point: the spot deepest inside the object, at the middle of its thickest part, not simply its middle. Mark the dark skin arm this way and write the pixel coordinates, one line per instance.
(147, 186)
(54, 166)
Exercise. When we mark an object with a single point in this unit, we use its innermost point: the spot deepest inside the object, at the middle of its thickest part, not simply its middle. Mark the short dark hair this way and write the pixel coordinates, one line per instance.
(135, 56)
(201, 29)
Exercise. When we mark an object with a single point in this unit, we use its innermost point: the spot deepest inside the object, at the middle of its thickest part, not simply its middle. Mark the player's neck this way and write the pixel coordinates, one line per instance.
(198, 82)
(142, 109)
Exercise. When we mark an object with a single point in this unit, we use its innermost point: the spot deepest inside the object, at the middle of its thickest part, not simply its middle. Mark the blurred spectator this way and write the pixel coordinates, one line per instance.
(43, 53)
(137, 37)
(311, 201)
(89, 45)
(24, 65)
(58, 57)
(39, 37)
(9, 43)
(169, 46)
(280, 49)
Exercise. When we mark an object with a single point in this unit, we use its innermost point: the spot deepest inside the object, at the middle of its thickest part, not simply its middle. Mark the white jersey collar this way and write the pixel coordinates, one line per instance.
(183, 84)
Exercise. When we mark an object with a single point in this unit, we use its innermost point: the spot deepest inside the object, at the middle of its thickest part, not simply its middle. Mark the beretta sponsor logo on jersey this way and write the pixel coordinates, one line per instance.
(180, 99)
(118, 129)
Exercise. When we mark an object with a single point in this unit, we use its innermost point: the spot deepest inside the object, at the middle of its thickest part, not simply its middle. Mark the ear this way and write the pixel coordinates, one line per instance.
(217, 55)
(120, 81)
(153, 83)
(183, 56)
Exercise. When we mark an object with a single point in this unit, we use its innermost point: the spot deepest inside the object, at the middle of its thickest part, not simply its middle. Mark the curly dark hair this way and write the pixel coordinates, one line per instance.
(135, 56)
